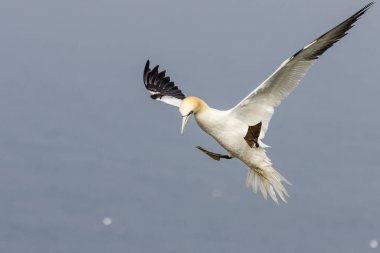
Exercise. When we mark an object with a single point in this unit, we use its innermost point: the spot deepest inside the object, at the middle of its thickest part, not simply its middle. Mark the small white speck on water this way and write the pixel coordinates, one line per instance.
(373, 244)
(107, 221)
(217, 193)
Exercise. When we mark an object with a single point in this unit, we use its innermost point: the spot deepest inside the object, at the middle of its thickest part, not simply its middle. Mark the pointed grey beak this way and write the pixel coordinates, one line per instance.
(184, 122)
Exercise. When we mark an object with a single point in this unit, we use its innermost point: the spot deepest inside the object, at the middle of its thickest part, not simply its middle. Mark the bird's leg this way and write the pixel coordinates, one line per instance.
(213, 155)
(252, 136)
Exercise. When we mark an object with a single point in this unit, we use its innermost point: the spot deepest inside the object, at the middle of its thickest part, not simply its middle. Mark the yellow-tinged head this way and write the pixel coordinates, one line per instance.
(189, 106)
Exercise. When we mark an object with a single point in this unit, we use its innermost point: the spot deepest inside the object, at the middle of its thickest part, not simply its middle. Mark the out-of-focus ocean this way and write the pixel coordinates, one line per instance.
(81, 141)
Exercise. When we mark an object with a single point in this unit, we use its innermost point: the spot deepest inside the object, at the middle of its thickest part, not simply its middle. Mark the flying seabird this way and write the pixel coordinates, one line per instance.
(240, 130)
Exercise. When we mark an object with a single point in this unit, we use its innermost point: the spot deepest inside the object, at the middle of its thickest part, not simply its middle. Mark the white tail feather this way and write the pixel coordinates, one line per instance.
(269, 181)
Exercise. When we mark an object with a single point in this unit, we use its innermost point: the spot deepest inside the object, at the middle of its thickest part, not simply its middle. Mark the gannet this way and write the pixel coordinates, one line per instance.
(241, 129)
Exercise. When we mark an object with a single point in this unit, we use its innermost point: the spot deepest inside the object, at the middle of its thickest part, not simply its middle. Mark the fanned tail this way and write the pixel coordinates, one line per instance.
(269, 181)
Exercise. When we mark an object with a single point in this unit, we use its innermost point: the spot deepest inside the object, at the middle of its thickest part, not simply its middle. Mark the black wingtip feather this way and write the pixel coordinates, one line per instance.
(160, 84)
(153, 74)
(335, 34)
(146, 71)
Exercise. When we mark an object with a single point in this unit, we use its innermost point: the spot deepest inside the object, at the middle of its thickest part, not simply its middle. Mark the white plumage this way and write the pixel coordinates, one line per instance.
(241, 129)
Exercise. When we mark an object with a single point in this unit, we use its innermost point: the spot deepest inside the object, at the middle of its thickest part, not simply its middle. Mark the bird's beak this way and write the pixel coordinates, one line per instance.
(184, 122)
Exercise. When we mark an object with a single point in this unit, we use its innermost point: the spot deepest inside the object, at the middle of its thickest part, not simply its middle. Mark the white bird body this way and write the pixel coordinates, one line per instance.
(241, 129)
(229, 132)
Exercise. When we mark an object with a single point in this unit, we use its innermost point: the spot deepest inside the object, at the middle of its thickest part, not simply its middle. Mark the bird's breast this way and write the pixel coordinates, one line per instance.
(212, 121)
(227, 131)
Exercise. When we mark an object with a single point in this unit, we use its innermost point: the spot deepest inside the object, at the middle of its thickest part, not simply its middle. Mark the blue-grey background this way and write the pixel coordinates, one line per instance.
(81, 140)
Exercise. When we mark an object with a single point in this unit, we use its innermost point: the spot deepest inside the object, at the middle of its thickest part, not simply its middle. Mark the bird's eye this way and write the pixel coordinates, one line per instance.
(187, 115)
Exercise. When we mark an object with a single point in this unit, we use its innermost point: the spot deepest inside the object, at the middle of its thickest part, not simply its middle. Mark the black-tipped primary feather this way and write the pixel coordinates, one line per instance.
(161, 87)
(259, 105)
(333, 35)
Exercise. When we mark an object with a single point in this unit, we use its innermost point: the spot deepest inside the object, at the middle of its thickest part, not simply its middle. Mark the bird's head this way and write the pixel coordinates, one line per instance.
(188, 107)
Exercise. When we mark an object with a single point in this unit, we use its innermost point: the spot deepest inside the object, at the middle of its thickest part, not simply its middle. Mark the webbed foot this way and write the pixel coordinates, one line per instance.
(252, 136)
(213, 155)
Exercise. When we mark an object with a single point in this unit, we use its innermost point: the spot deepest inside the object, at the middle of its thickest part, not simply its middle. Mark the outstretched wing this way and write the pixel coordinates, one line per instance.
(160, 86)
(259, 105)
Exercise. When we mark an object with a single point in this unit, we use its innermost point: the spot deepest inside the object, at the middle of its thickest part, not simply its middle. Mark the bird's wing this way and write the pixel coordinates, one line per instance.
(160, 86)
(259, 105)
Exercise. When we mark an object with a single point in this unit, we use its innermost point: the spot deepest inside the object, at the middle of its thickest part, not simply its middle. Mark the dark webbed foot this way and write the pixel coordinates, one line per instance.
(213, 155)
(252, 136)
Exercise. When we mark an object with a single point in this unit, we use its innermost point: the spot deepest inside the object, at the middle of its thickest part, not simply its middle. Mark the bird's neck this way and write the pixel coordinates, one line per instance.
(211, 120)
(202, 106)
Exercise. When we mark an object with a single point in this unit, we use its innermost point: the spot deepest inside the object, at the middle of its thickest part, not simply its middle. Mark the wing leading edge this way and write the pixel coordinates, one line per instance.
(259, 105)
